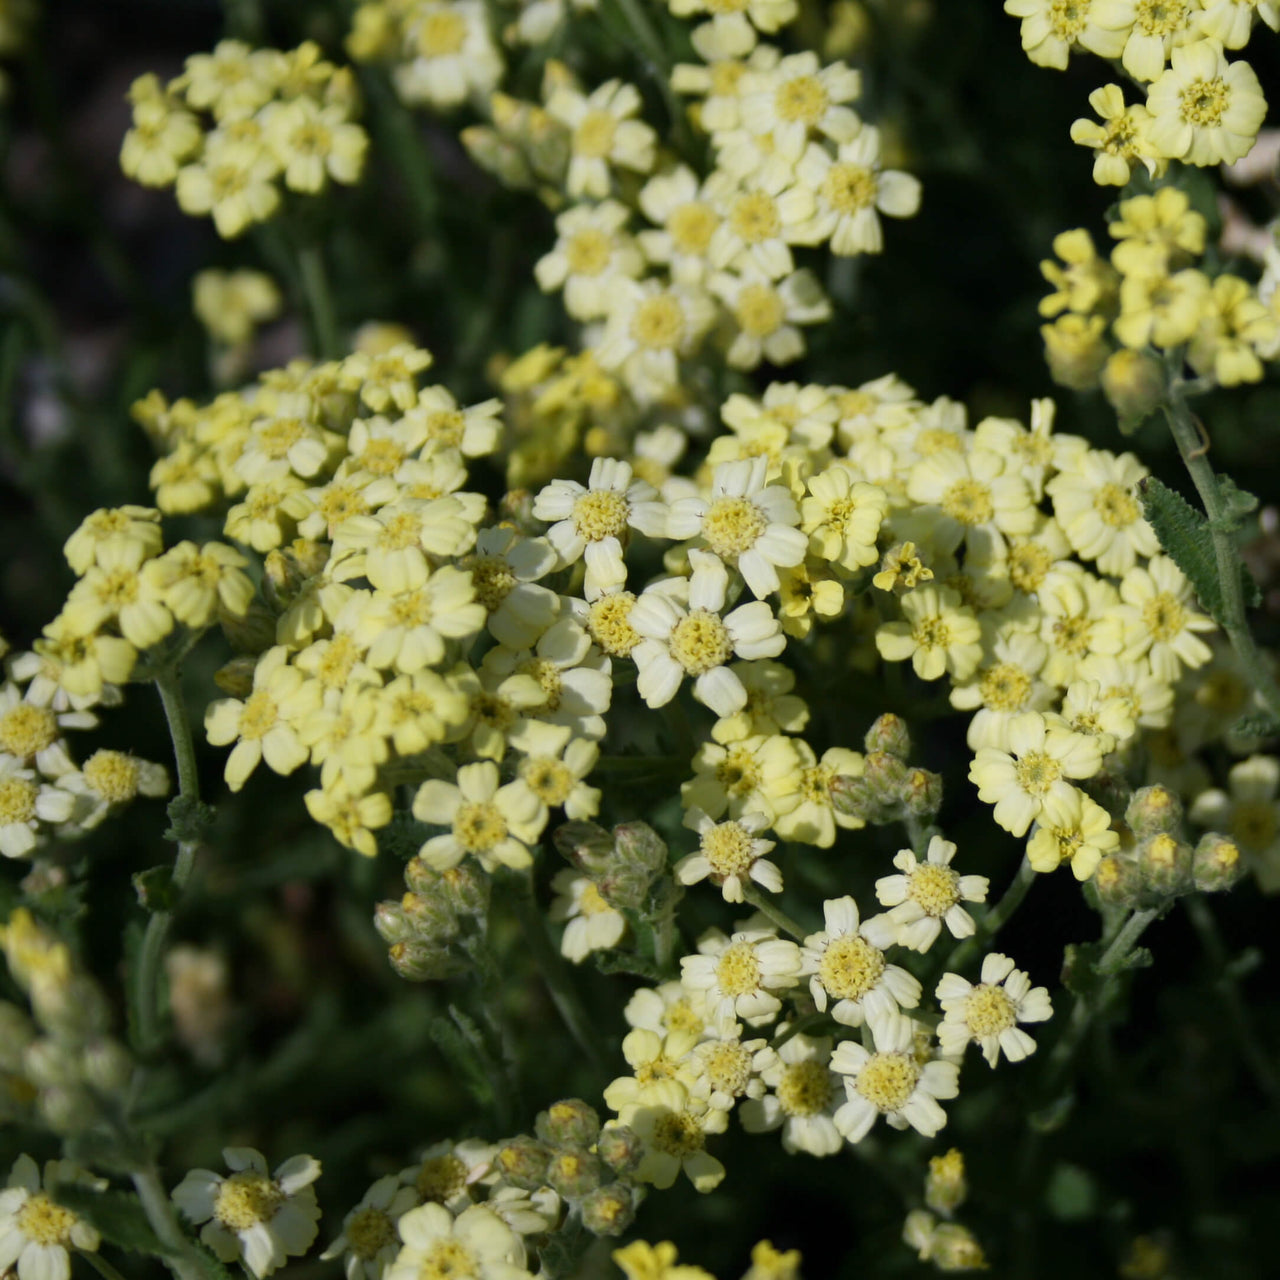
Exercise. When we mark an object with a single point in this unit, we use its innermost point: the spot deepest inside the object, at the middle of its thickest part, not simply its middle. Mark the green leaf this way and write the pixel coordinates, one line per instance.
(117, 1216)
(627, 962)
(1072, 1194)
(457, 1040)
(1257, 724)
(189, 819)
(154, 888)
(1238, 502)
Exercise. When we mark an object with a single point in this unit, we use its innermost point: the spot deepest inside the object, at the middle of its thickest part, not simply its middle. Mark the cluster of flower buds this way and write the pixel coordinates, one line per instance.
(889, 789)
(623, 863)
(428, 930)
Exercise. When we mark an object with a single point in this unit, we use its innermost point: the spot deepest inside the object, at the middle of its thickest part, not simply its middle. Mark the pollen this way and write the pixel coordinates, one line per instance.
(936, 889)
(1164, 615)
(447, 426)
(447, 1260)
(113, 775)
(381, 457)
(1037, 772)
(44, 1222)
(931, 633)
(969, 502)
(593, 138)
(247, 1199)
(441, 1178)
(549, 779)
(17, 800)
(850, 967)
(258, 716)
(738, 970)
(728, 1068)
(678, 1134)
(547, 674)
(1204, 102)
(26, 730)
(1116, 505)
(370, 1231)
(680, 1016)
(700, 642)
(988, 1010)
(738, 773)
(479, 826)
(1160, 17)
(493, 580)
(805, 1088)
(729, 848)
(888, 1080)
(1005, 687)
(658, 324)
(850, 188)
(1068, 17)
(732, 526)
(802, 99)
(755, 217)
(1028, 565)
(601, 514)
(609, 624)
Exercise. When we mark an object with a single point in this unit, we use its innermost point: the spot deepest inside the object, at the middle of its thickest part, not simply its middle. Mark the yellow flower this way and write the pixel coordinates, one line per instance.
(642, 1261)
(1086, 284)
(1072, 828)
(939, 635)
(231, 303)
(495, 825)
(1120, 142)
(1234, 326)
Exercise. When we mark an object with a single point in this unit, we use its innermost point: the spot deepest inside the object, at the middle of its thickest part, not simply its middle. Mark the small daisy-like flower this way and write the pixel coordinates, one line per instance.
(643, 1261)
(369, 1241)
(767, 314)
(756, 774)
(1072, 829)
(446, 1171)
(892, 1082)
(940, 635)
(505, 569)
(476, 1244)
(602, 135)
(263, 1219)
(672, 1131)
(314, 143)
(927, 895)
(726, 1070)
(1050, 30)
(846, 963)
(1236, 327)
(1020, 782)
(1161, 597)
(973, 491)
(745, 523)
(814, 818)
(112, 778)
(727, 852)
(1096, 507)
(592, 522)
(451, 53)
(798, 99)
(648, 331)
(804, 1094)
(36, 1235)
(1120, 142)
(32, 734)
(688, 216)
(1007, 687)
(1249, 813)
(988, 1013)
(842, 516)
(652, 1056)
(590, 923)
(739, 974)
(493, 824)
(591, 253)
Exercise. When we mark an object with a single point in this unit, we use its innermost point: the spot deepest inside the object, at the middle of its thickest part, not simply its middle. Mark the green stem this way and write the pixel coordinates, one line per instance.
(99, 1264)
(995, 919)
(651, 46)
(149, 1015)
(556, 974)
(1191, 446)
(779, 917)
(160, 1212)
(1259, 1062)
(407, 147)
(315, 287)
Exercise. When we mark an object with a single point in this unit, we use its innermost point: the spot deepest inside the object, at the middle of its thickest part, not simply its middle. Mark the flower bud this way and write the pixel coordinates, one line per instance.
(1076, 350)
(235, 678)
(253, 632)
(568, 1123)
(620, 1148)
(640, 846)
(945, 1186)
(955, 1249)
(1134, 383)
(69, 1110)
(1153, 810)
(422, 962)
(523, 1162)
(282, 579)
(609, 1211)
(1216, 863)
(431, 917)
(420, 877)
(573, 1173)
(466, 889)
(1117, 880)
(16, 1032)
(584, 845)
(852, 798)
(106, 1065)
(889, 734)
(392, 924)
(1165, 864)
(50, 1063)
(922, 793)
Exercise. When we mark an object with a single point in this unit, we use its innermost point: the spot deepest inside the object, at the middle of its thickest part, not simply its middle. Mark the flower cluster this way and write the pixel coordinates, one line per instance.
(238, 125)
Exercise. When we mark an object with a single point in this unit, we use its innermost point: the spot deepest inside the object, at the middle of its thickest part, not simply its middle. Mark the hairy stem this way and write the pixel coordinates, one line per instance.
(776, 914)
(315, 287)
(163, 1218)
(995, 919)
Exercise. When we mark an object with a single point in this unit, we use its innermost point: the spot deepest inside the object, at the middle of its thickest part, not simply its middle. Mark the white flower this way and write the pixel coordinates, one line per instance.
(688, 216)
(451, 54)
(928, 894)
(477, 1244)
(740, 973)
(261, 1218)
(799, 96)
(767, 313)
(36, 1233)
(592, 522)
(745, 523)
(648, 330)
(892, 1082)
(592, 252)
(602, 134)
(369, 1240)
(845, 963)
(505, 568)
(31, 732)
(988, 1013)
(803, 1096)
(698, 642)
(725, 1070)
(727, 852)
(26, 801)
(591, 924)
(493, 824)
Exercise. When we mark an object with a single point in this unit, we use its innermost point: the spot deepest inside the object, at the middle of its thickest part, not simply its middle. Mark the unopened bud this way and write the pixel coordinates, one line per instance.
(1165, 864)
(422, 962)
(106, 1065)
(392, 924)
(1153, 810)
(1216, 863)
(922, 793)
(584, 845)
(431, 916)
(67, 1110)
(1076, 348)
(945, 1185)
(16, 1032)
(620, 1148)
(852, 797)
(640, 846)
(955, 1249)
(49, 1064)
(609, 1211)
(523, 1162)
(466, 889)
(1116, 880)
(282, 579)
(889, 734)
(252, 632)
(236, 677)
(573, 1173)
(568, 1123)
(1134, 383)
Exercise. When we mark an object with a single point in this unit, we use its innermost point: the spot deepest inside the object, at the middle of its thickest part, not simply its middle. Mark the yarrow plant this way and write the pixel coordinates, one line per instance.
(614, 723)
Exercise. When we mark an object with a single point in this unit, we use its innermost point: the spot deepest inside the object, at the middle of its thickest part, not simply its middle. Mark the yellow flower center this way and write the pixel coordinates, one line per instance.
(1121, 137)
(1160, 17)
(591, 902)
(446, 425)
(725, 76)
(691, 227)
(726, 6)
(1164, 615)
(1072, 634)
(728, 846)
(412, 610)
(658, 324)
(401, 532)
(1116, 505)
(755, 217)
(738, 970)
(609, 624)
(805, 1088)
(118, 588)
(593, 138)
(738, 773)
(246, 1199)
(44, 1222)
(936, 889)
(989, 1011)
(447, 1260)
(493, 710)
(381, 456)
(937, 440)
(1253, 824)
(588, 252)
(969, 502)
(759, 310)
(1037, 772)
(1005, 687)
(547, 674)
(849, 188)
(850, 967)
(279, 436)
(803, 99)
(728, 1068)
(549, 779)
(1028, 565)
(113, 775)
(855, 404)
(1068, 17)
(369, 1231)
(258, 716)
(492, 579)
(478, 826)
(442, 33)
(678, 1134)
(888, 1080)
(815, 784)
(680, 1016)
(700, 642)
(600, 514)
(1204, 102)
(25, 730)
(339, 657)
(441, 1178)
(340, 502)
(732, 526)
(931, 633)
